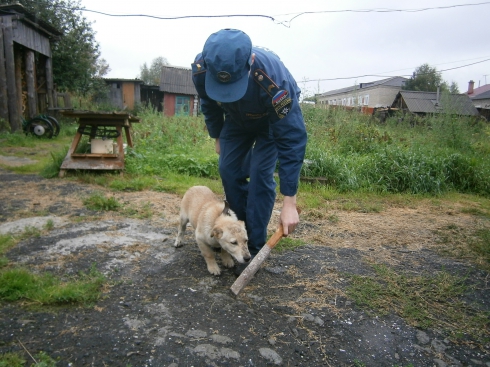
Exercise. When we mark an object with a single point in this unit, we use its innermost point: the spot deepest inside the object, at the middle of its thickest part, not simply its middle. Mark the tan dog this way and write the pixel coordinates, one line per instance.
(216, 226)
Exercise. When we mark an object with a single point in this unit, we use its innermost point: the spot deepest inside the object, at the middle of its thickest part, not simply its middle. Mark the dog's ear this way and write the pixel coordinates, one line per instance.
(217, 232)
(226, 209)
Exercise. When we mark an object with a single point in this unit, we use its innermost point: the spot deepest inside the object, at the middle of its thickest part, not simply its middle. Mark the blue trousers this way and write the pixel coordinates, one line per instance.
(247, 162)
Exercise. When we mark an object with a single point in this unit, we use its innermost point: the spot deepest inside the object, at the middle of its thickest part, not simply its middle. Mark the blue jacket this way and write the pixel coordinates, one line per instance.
(272, 98)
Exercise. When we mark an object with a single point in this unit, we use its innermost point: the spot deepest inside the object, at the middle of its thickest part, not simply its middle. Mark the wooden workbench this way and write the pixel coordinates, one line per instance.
(91, 121)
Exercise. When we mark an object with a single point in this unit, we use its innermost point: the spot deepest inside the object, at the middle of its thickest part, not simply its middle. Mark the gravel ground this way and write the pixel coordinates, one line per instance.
(162, 307)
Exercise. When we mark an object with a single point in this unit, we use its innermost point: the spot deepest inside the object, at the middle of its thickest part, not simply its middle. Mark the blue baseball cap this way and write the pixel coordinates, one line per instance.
(227, 55)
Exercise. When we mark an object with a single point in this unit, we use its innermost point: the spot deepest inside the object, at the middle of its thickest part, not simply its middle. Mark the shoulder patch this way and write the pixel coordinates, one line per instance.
(198, 67)
(280, 98)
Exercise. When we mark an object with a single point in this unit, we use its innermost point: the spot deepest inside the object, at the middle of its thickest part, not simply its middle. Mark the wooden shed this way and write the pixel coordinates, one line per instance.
(151, 96)
(180, 96)
(124, 93)
(26, 73)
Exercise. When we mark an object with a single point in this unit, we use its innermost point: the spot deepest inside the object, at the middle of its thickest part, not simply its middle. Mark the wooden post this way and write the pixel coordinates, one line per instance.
(18, 56)
(67, 100)
(31, 84)
(4, 111)
(8, 43)
(49, 82)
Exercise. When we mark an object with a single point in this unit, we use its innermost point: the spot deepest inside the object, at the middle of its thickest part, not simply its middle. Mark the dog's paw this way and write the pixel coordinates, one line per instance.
(215, 270)
(229, 263)
(178, 244)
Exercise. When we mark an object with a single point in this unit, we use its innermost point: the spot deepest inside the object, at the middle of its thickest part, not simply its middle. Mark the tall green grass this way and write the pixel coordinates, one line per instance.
(355, 152)
(172, 144)
(352, 152)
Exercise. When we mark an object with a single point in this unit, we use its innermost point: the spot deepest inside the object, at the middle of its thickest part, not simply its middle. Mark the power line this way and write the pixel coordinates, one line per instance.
(388, 76)
(178, 17)
(273, 18)
(387, 10)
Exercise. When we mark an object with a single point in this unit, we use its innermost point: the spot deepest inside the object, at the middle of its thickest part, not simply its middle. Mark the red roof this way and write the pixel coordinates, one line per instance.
(479, 90)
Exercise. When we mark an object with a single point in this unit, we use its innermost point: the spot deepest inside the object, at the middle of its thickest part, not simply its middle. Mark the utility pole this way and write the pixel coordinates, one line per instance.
(485, 78)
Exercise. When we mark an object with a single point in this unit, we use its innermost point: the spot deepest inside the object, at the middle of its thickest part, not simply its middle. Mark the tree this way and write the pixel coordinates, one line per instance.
(426, 79)
(151, 75)
(76, 54)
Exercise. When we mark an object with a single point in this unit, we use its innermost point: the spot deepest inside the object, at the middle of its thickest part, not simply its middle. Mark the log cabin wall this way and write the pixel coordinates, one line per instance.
(26, 77)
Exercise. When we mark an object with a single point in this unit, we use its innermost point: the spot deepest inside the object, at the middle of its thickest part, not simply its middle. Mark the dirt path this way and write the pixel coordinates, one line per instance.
(162, 308)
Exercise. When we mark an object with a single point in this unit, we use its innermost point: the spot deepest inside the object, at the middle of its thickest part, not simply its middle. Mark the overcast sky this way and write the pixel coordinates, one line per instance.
(345, 39)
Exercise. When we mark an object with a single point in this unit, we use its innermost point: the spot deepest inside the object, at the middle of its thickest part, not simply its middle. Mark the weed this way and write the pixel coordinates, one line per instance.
(52, 169)
(144, 211)
(30, 231)
(98, 201)
(41, 359)
(12, 360)
(49, 225)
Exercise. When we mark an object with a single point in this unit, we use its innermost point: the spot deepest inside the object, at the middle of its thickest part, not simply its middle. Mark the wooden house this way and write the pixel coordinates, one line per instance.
(26, 73)
(422, 103)
(179, 94)
(124, 93)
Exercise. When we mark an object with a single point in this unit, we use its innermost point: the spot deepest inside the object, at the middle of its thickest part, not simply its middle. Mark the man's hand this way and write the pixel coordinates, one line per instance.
(289, 217)
(216, 146)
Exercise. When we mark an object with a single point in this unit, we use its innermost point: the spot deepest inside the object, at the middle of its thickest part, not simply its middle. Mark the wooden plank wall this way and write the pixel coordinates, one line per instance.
(30, 38)
(18, 66)
(3, 80)
(12, 97)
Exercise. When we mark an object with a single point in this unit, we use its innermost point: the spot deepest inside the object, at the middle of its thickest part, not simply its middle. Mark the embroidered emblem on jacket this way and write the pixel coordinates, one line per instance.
(281, 103)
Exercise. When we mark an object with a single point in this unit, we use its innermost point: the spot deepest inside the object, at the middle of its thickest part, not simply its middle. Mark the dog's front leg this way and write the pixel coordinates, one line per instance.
(180, 234)
(227, 259)
(210, 258)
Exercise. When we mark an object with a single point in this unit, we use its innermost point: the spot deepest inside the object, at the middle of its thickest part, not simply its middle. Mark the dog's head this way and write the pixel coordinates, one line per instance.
(232, 237)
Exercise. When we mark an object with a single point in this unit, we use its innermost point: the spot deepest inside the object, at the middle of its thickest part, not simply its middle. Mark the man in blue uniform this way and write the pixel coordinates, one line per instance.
(250, 104)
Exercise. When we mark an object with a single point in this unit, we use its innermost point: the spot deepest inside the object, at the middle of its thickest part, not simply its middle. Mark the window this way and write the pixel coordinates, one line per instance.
(366, 99)
(182, 104)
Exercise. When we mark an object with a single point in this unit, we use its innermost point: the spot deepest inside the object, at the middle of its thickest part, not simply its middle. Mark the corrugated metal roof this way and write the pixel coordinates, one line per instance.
(395, 81)
(123, 80)
(484, 95)
(426, 102)
(177, 80)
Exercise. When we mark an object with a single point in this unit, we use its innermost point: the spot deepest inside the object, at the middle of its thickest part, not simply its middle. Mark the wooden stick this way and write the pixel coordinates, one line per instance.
(248, 273)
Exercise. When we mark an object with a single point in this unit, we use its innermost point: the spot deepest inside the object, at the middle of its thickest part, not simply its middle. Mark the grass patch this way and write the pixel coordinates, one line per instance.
(40, 359)
(424, 301)
(480, 245)
(288, 244)
(39, 150)
(19, 284)
(460, 243)
(143, 211)
(7, 241)
(99, 201)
